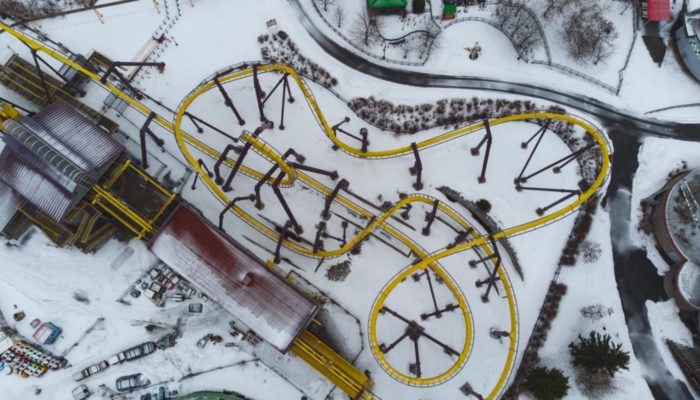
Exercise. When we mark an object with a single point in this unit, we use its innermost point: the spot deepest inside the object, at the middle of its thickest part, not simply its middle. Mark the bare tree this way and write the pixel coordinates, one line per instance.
(339, 16)
(520, 24)
(431, 37)
(590, 36)
(324, 3)
(23, 10)
(365, 31)
(558, 6)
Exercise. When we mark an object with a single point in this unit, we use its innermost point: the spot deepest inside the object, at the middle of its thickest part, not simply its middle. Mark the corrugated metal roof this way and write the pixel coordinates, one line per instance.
(88, 146)
(8, 205)
(233, 277)
(41, 191)
(26, 142)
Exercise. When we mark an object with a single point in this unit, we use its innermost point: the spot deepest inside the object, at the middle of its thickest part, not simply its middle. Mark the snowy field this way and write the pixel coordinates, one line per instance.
(637, 92)
(215, 34)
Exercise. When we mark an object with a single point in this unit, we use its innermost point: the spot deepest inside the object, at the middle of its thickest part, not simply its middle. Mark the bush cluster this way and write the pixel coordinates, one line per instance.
(278, 48)
(578, 234)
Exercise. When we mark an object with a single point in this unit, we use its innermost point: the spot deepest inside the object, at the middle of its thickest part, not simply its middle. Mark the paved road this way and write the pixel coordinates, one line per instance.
(636, 276)
(632, 123)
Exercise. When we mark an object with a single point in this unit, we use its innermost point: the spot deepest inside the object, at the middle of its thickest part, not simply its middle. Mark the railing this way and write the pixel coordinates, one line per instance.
(360, 49)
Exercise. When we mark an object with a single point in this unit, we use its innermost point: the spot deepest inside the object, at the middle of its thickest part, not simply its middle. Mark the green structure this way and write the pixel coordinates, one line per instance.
(449, 9)
(386, 6)
(212, 396)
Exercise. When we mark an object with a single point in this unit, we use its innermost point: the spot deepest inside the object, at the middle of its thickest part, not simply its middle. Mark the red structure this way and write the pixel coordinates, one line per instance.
(656, 10)
(233, 277)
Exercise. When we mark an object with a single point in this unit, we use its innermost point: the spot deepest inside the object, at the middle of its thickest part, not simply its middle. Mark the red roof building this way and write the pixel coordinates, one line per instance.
(656, 10)
(233, 277)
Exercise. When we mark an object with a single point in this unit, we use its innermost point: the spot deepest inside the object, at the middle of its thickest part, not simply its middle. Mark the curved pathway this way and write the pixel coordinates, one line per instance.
(610, 115)
(625, 129)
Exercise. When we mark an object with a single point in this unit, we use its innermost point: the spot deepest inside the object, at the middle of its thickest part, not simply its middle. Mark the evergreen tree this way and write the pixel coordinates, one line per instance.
(597, 354)
(547, 384)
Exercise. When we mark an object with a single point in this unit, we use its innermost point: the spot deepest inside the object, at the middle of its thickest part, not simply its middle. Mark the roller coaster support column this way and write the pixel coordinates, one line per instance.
(224, 155)
(559, 164)
(406, 209)
(467, 389)
(430, 217)
(337, 126)
(113, 70)
(345, 224)
(318, 242)
(41, 77)
(571, 193)
(285, 90)
(331, 174)
(280, 239)
(259, 94)
(195, 120)
(343, 184)
(275, 188)
(282, 80)
(473, 263)
(488, 139)
(461, 237)
(203, 166)
(340, 240)
(493, 277)
(417, 168)
(244, 151)
(539, 134)
(364, 142)
(258, 199)
(284, 95)
(145, 129)
(229, 206)
(228, 101)
(37, 59)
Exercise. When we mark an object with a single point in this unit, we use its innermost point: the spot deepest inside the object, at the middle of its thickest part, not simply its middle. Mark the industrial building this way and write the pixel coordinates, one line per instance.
(675, 219)
(688, 37)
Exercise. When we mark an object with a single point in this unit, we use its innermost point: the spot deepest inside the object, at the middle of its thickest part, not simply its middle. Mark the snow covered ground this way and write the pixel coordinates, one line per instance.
(571, 321)
(197, 44)
(641, 77)
(43, 281)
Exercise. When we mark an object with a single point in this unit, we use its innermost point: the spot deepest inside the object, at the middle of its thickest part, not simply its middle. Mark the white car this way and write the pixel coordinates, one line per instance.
(91, 370)
(81, 393)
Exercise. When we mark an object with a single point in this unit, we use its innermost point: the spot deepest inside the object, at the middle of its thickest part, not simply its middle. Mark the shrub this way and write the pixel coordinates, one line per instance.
(547, 384)
(597, 354)
(483, 205)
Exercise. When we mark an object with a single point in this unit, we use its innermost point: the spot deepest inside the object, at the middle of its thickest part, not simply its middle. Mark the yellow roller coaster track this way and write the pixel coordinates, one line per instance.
(426, 259)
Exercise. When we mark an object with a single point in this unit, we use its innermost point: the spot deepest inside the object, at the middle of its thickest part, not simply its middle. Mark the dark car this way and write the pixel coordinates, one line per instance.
(133, 353)
(131, 382)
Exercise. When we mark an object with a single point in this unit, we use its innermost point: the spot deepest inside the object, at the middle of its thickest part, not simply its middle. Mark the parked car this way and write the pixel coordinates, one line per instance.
(130, 382)
(133, 353)
(81, 393)
(91, 370)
